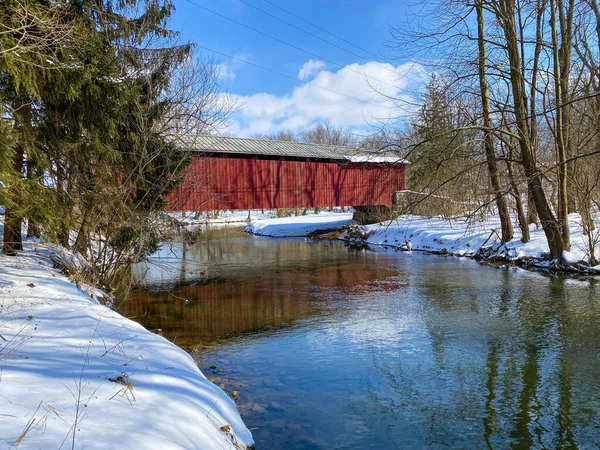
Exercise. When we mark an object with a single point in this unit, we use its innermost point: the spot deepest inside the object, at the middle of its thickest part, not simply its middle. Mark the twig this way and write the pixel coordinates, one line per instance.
(213, 406)
(118, 344)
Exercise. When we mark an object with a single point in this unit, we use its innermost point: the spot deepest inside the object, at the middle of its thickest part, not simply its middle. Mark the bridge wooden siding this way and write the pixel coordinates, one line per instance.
(226, 181)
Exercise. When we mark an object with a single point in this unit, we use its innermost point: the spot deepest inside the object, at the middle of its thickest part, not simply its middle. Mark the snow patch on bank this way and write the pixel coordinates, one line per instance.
(70, 365)
(464, 238)
(299, 226)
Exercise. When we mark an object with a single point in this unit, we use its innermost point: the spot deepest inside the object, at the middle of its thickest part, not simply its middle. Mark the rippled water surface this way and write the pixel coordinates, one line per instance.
(335, 348)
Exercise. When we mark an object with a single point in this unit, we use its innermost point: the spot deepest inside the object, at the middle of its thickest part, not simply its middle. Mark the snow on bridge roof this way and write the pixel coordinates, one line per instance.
(263, 147)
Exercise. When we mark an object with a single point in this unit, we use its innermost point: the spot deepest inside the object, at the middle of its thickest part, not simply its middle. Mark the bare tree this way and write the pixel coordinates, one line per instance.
(34, 32)
(505, 13)
(561, 57)
(327, 133)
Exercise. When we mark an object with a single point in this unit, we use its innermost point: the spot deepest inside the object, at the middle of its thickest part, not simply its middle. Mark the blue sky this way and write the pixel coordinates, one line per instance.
(269, 102)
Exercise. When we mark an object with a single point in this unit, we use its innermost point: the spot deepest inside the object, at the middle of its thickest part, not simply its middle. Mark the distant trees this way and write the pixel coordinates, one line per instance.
(324, 132)
(283, 135)
(91, 95)
(327, 133)
(514, 82)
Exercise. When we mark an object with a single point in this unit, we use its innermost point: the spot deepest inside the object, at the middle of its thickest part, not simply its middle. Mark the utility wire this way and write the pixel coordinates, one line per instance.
(316, 36)
(325, 31)
(291, 77)
(286, 43)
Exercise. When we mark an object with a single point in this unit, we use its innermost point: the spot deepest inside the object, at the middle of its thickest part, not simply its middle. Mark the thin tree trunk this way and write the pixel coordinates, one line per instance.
(488, 140)
(523, 222)
(64, 225)
(560, 128)
(12, 219)
(33, 228)
(564, 53)
(82, 240)
(588, 225)
(532, 217)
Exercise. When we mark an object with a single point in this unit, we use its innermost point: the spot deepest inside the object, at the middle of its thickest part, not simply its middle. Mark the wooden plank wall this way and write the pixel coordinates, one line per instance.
(211, 183)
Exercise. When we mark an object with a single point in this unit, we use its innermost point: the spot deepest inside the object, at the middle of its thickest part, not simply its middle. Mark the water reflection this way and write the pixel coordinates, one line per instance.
(242, 285)
(331, 348)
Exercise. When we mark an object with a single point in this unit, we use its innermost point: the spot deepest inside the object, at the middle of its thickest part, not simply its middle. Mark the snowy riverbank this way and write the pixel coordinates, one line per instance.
(299, 226)
(264, 217)
(455, 237)
(75, 374)
(191, 221)
(462, 238)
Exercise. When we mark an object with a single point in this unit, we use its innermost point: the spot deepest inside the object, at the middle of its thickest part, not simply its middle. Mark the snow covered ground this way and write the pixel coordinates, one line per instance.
(75, 374)
(298, 226)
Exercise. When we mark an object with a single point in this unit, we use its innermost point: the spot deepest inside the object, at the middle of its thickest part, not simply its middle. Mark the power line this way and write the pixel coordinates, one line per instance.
(325, 31)
(316, 36)
(290, 77)
(286, 43)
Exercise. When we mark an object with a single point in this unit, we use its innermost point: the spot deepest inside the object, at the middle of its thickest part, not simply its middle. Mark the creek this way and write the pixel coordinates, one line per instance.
(332, 348)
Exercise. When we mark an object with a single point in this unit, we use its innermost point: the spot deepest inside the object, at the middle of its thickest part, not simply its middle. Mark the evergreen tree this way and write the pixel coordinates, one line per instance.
(85, 146)
(32, 34)
(440, 152)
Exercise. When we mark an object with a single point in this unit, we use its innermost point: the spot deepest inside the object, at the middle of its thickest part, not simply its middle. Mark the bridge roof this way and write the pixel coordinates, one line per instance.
(243, 146)
(263, 147)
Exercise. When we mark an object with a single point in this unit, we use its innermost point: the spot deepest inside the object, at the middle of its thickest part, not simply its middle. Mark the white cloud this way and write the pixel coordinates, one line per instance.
(310, 68)
(225, 72)
(379, 91)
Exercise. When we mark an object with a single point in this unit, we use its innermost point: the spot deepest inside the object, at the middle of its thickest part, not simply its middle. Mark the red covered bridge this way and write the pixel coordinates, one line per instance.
(233, 173)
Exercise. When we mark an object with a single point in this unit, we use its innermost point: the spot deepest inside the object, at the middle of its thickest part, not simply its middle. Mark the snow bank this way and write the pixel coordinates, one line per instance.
(239, 217)
(75, 373)
(299, 225)
(464, 239)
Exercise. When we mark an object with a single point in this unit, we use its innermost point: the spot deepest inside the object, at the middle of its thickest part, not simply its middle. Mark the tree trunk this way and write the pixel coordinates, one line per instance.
(534, 179)
(488, 140)
(12, 234)
(13, 219)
